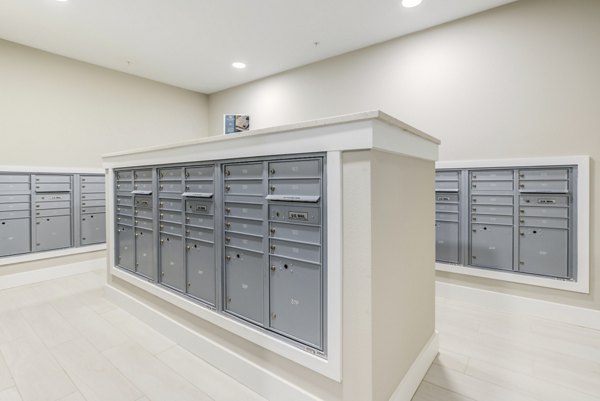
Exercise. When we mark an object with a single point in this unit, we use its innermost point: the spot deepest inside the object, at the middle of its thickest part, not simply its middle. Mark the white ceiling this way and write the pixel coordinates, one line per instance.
(192, 43)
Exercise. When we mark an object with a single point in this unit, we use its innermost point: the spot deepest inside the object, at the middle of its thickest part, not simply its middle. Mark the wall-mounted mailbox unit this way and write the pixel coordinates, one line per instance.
(44, 211)
(516, 219)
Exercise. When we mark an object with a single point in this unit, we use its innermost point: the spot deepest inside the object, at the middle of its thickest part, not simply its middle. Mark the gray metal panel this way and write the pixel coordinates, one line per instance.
(15, 236)
(244, 210)
(93, 228)
(14, 178)
(446, 198)
(540, 211)
(544, 186)
(42, 178)
(53, 187)
(93, 203)
(52, 205)
(295, 187)
(491, 219)
(492, 200)
(144, 213)
(492, 246)
(489, 209)
(202, 234)
(171, 262)
(544, 222)
(14, 198)
(492, 185)
(53, 233)
(446, 241)
(15, 214)
(544, 174)
(53, 212)
(301, 168)
(10, 207)
(544, 251)
(295, 300)
(244, 284)
(125, 210)
(295, 214)
(296, 232)
(244, 187)
(12, 187)
(245, 170)
(201, 270)
(295, 250)
(125, 220)
(244, 241)
(94, 196)
(491, 175)
(200, 173)
(144, 252)
(172, 217)
(200, 220)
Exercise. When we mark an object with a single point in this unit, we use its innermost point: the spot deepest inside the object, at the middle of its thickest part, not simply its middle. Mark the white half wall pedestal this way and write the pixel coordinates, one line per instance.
(378, 287)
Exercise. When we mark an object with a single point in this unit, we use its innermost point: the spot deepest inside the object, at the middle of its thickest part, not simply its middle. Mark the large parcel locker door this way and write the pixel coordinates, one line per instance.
(446, 241)
(144, 252)
(244, 284)
(200, 266)
(125, 247)
(93, 228)
(15, 236)
(543, 251)
(171, 261)
(53, 232)
(492, 246)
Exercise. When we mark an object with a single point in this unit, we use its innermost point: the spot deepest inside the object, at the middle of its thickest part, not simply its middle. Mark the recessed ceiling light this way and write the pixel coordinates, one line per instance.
(411, 3)
(239, 65)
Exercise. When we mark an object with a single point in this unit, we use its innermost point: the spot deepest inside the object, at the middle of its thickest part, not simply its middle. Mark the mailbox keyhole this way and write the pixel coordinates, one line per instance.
(91, 217)
(277, 214)
(535, 231)
(168, 239)
(4, 222)
(485, 228)
(237, 256)
(285, 266)
(195, 245)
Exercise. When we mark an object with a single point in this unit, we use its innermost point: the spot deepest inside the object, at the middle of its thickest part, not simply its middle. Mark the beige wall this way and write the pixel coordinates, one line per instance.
(517, 81)
(60, 112)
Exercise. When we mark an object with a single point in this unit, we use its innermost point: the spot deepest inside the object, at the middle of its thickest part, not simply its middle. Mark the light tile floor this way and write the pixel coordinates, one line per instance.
(62, 340)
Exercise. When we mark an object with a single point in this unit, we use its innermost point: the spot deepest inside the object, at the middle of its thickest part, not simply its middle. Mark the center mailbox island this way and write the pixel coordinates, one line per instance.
(297, 259)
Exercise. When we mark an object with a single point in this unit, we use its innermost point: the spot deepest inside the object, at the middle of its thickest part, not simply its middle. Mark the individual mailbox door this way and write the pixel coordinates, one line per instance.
(15, 236)
(297, 187)
(144, 252)
(244, 284)
(53, 187)
(492, 185)
(170, 173)
(53, 178)
(295, 300)
(172, 272)
(244, 171)
(92, 203)
(201, 270)
(295, 169)
(93, 228)
(492, 246)
(544, 186)
(446, 241)
(14, 186)
(543, 251)
(200, 173)
(53, 233)
(94, 196)
(125, 247)
(92, 178)
(244, 187)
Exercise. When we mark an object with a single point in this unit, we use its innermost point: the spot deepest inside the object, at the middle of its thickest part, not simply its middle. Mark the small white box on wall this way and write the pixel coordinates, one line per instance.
(233, 123)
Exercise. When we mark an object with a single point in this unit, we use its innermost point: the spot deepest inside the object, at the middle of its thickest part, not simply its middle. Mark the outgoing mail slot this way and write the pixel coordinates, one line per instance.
(244, 226)
(292, 214)
(544, 200)
(295, 250)
(295, 169)
(11, 187)
(52, 179)
(7, 207)
(544, 174)
(6, 178)
(244, 210)
(244, 187)
(544, 186)
(489, 209)
(446, 198)
(170, 174)
(52, 205)
(544, 222)
(243, 241)
(491, 219)
(296, 232)
(52, 187)
(200, 220)
(199, 173)
(143, 175)
(142, 201)
(199, 206)
(243, 171)
(533, 211)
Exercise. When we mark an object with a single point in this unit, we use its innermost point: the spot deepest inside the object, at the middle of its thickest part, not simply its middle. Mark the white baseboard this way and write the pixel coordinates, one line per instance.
(409, 384)
(505, 302)
(253, 376)
(50, 273)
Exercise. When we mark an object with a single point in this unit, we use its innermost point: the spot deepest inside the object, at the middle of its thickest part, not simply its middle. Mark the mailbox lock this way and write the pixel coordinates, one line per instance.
(189, 284)
(272, 247)
(227, 210)
(522, 211)
(273, 268)
(187, 219)
(521, 185)
(161, 187)
(272, 171)
(227, 257)
(272, 231)
(522, 234)
(227, 172)
(162, 215)
(162, 241)
(474, 218)
(474, 209)
(187, 187)
(474, 185)
(521, 221)
(274, 315)
(187, 247)
(187, 231)
(227, 239)
(227, 187)
(272, 188)
(228, 299)
(187, 175)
